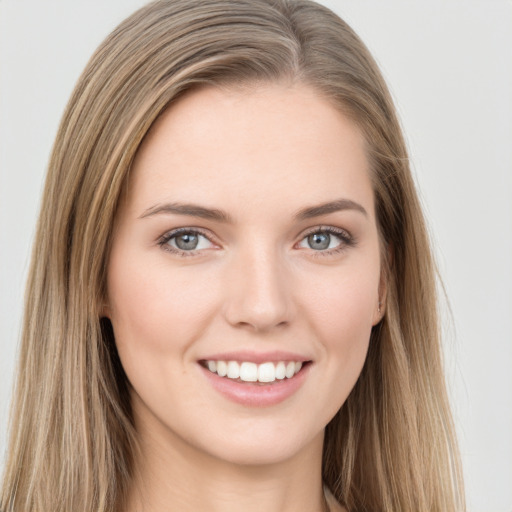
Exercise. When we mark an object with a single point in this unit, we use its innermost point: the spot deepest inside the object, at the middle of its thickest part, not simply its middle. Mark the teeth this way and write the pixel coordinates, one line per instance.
(290, 369)
(248, 371)
(252, 372)
(233, 370)
(280, 371)
(222, 368)
(266, 372)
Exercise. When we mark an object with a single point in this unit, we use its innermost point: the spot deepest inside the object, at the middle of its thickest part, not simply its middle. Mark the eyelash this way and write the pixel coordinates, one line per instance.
(347, 240)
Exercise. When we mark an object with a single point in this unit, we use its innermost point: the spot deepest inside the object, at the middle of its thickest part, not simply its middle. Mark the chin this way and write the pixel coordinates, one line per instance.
(264, 445)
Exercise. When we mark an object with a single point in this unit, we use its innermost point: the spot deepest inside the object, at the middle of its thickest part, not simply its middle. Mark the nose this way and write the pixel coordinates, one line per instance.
(259, 292)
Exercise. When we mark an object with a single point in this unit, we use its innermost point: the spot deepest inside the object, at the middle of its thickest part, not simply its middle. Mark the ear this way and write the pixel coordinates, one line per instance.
(380, 306)
(382, 292)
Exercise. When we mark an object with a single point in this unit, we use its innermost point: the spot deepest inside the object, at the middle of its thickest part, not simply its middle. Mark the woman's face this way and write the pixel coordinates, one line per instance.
(247, 244)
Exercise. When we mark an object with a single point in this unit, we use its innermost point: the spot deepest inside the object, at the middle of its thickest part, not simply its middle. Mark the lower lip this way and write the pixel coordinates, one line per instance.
(253, 394)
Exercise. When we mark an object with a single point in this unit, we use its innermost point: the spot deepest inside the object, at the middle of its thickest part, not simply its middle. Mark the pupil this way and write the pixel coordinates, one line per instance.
(319, 241)
(187, 241)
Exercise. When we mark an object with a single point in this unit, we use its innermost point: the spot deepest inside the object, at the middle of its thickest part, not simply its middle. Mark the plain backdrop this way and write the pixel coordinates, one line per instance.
(449, 66)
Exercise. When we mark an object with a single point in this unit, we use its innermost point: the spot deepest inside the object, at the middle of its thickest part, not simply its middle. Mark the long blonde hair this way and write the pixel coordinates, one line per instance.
(391, 447)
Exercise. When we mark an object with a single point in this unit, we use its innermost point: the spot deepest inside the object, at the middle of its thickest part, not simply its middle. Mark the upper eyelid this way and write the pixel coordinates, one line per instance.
(324, 227)
(327, 229)
(188, 229)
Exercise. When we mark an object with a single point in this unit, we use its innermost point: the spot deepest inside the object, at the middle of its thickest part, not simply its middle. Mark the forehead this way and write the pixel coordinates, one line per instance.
(252, 146)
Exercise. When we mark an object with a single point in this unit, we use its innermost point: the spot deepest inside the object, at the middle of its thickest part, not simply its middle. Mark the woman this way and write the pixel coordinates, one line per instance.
(231, 301)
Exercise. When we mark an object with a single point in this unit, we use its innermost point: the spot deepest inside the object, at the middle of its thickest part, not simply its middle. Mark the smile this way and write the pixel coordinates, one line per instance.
(256, 380)
(247, 371)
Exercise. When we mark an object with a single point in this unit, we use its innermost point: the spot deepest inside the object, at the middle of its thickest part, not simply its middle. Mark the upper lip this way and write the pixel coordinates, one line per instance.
(256, 357)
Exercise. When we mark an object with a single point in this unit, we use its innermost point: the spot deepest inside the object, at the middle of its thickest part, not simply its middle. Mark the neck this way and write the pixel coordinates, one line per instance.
(171, 475)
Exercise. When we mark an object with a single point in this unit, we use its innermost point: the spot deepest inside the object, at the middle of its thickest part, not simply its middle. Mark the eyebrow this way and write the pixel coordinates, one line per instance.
(194, 210)
(330, 207)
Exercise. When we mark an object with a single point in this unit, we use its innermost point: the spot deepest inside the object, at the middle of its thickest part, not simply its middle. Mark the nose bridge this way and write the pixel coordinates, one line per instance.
(259, 292)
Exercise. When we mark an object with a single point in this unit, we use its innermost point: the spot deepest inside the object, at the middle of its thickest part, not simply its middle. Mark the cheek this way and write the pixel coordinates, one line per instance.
(156, 310)
(344, 300)
(158, 313)
(341, 309)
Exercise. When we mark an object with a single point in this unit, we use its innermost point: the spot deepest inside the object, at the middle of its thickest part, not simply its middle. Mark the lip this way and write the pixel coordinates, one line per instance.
(254, 394)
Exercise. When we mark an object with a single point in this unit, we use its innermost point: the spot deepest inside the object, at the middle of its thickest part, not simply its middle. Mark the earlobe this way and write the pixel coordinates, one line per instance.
(381, 297)
(105, 311)
(380, 310)
(383, 293)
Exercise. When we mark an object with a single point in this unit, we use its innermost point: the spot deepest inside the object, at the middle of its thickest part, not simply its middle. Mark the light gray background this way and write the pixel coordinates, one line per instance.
(449, 66)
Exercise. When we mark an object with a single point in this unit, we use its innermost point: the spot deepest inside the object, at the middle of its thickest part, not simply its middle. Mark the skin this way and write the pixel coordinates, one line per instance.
(254, 283)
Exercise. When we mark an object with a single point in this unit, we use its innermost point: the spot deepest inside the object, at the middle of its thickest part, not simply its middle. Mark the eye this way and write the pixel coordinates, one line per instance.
(329, 240)
(321, 241)
(185, 240)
